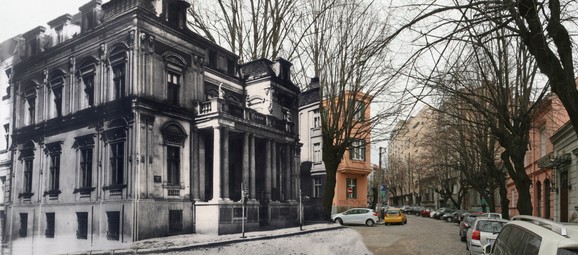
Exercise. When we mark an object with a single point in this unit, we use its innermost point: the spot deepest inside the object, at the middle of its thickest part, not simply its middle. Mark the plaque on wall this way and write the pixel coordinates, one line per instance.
(157, 178)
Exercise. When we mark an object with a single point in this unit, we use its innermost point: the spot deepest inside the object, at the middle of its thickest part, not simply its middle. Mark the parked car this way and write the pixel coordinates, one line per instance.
(447, 214)
(492, 215)
(394, 215)
(484, 231)
(454, 216)
(439, 213)
(535, 236)
(356, 216)
(425, 212)
(466, 223)
(415, 210)
(461, 216)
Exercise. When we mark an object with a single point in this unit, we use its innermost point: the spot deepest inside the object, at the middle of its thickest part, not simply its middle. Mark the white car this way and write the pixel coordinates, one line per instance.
(356, 216)
(531, 235)
(483, 231)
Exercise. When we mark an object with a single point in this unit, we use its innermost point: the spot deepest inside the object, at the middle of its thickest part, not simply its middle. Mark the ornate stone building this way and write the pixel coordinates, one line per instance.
(129, 126)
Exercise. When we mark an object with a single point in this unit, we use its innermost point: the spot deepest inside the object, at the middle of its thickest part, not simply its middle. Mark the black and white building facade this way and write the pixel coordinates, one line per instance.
(126, 125)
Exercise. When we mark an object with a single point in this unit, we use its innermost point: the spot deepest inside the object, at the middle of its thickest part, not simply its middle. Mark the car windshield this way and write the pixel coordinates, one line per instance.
(491, 226)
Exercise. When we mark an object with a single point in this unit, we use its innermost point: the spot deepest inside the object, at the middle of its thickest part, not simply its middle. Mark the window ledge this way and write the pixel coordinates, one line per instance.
(114, 187)
(26, 195)
(52, 193)
(84, 190)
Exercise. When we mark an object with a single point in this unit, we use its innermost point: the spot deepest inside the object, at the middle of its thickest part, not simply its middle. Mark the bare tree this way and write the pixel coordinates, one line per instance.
(542, 27)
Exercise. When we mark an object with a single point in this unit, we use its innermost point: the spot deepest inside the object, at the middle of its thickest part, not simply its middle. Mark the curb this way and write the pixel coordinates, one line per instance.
(204, 245)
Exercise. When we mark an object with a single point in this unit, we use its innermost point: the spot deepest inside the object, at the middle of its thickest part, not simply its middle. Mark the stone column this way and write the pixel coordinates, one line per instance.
(274, 168)
(252, 184)
(195, 168)
(216, 164)
(268, 171)
(287, 168)
(225, 165)
(246, 154)
(202, 168)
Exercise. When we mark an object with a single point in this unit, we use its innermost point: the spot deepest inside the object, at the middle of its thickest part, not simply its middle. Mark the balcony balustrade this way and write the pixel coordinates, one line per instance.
(218, 107)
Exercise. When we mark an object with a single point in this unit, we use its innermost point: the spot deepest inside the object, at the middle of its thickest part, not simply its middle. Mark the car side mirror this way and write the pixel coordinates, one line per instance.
(487, 249)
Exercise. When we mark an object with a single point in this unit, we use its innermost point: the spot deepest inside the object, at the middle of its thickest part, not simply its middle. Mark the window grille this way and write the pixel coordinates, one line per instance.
(113, 220)
(175, 221)
(82, 231)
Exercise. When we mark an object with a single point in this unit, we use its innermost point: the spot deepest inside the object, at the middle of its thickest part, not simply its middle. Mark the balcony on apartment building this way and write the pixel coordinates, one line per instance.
(218, 107)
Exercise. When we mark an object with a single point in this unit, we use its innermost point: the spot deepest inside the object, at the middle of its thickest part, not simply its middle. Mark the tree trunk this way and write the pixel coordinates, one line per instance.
(504, 202)
(331, 171)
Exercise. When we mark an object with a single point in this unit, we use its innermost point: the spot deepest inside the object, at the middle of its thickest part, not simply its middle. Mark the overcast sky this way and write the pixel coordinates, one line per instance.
(20, 16)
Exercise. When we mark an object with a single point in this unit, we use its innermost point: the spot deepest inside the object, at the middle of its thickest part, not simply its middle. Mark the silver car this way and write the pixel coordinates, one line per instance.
(356, 216)
(483, 231)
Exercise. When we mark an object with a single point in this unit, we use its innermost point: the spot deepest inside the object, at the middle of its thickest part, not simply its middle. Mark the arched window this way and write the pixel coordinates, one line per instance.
(86, 73)
(56, 85)
(29, 103)
(115, 136)
(174, 137)
(547, 190)
(538, 195)
(117, 60)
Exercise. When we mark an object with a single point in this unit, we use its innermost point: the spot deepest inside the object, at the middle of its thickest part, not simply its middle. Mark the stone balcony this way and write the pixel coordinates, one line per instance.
(217, 107)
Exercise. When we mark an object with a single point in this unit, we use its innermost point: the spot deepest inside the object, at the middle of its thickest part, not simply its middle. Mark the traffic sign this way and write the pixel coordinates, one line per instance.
(349, 190)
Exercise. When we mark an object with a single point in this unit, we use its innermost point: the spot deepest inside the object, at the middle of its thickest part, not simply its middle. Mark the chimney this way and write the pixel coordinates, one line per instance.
(34, 40)
(314, 83)
(91, 15)
(175, 12)
(59, 25)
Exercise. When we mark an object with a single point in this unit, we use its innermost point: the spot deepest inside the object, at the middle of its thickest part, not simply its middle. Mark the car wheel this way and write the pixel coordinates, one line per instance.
(369, 223)
(405, 222)
(338, 220)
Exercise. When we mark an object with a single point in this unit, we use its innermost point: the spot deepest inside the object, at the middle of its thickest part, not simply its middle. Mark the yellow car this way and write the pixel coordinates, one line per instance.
(394, 215)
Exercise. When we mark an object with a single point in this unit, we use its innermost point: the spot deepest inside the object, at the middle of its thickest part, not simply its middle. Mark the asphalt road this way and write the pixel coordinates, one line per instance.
(419, 236)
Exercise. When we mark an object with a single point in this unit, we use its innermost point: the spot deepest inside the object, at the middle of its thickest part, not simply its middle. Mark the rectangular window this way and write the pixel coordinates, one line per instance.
(317, 152)
(359, 110)
(54, 171)
(82, 220)
(173, 88)
(119, 80)
(173, 165)
(316, 121)
(86, 167)
(357, 150)
(175, 221)
(113, 225)
(57, 100)
(49, 232)
(28, 175)
(89, 88)
(351, 183)
(117, 162)
(23, 231)
(543, 142)
(317, 187)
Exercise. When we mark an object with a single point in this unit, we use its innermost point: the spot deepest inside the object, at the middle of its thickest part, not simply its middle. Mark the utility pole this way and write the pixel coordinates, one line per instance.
(379, 183)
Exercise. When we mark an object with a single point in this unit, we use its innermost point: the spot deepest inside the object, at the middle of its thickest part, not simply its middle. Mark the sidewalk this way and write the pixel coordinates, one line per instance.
(163, 244)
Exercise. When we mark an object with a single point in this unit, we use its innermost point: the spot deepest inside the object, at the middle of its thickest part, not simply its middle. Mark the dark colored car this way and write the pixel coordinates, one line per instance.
(466, 223)
(439, 213)
(416, 210)
(447, 214)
